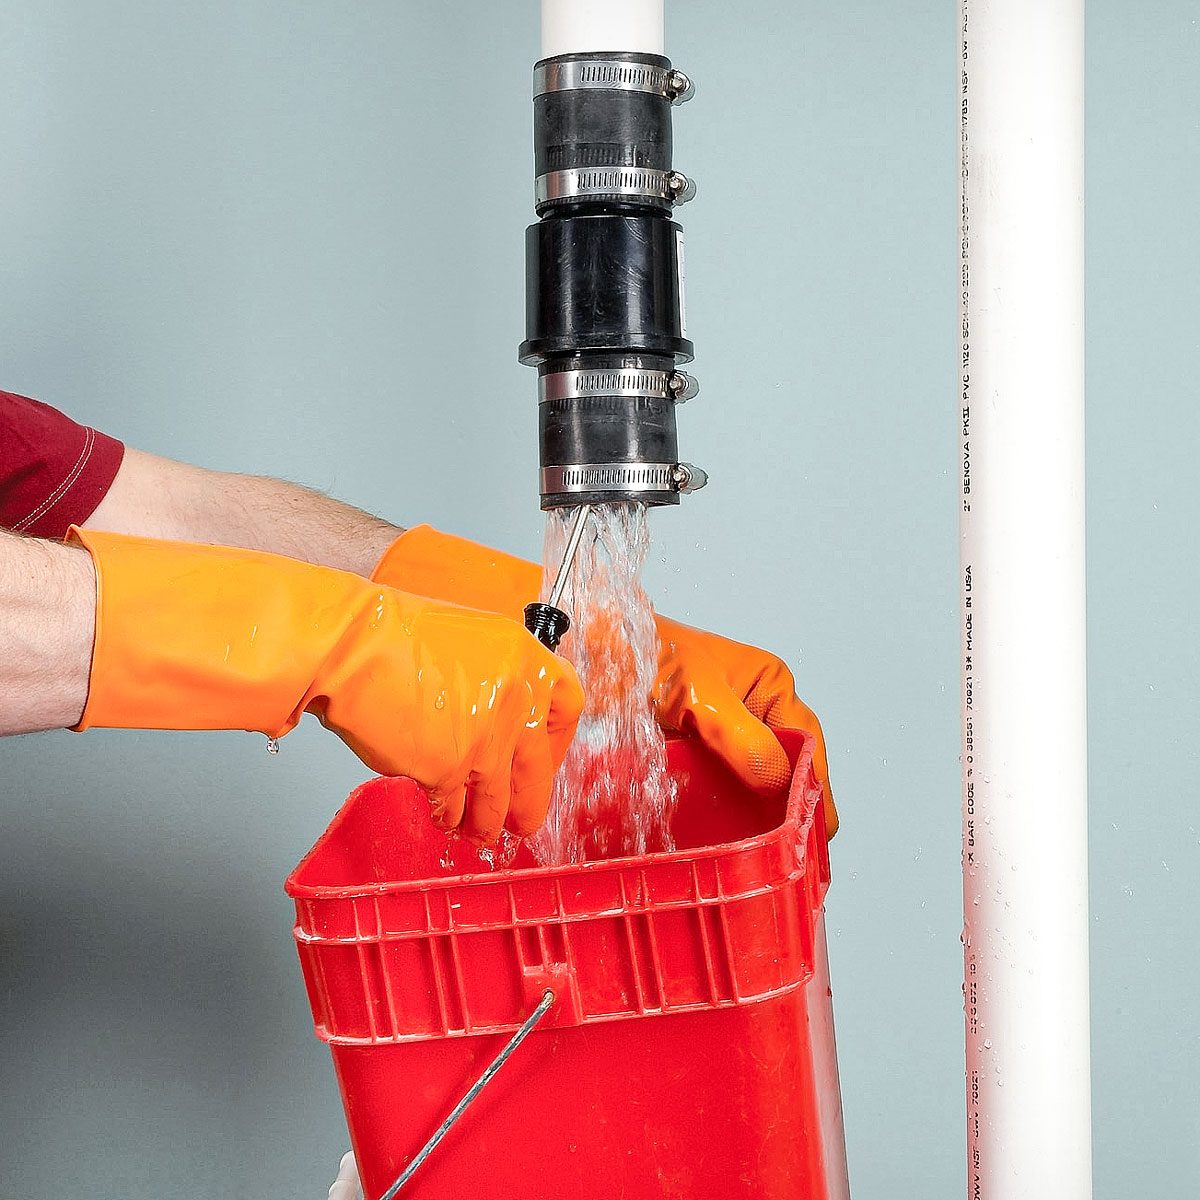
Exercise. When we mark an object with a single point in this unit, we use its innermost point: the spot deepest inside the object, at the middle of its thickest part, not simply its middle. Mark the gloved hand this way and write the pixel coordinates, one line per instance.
(729, 694)
(346, 1186)
(203, 637)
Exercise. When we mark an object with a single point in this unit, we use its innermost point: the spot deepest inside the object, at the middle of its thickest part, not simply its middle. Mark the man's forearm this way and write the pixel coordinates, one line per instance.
(47, 625)
(156, 497)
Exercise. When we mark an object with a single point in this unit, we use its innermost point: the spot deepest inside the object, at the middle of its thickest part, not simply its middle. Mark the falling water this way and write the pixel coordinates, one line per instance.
(613, 795)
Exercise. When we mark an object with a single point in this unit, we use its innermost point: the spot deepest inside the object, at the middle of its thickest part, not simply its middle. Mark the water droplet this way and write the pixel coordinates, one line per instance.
(272, 745)
(987, 1043)
(439, 701)
(1128, 890)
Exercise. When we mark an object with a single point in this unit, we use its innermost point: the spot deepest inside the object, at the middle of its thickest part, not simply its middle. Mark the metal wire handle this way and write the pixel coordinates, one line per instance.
(461, 1107)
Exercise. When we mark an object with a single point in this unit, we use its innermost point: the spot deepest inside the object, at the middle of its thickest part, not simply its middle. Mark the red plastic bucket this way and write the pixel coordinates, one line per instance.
(676, 1060)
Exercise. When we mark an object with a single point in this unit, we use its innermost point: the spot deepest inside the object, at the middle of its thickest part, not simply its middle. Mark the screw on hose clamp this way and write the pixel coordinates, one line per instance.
(680, 87)
(688, 478)
(683, 387)
(683, 187)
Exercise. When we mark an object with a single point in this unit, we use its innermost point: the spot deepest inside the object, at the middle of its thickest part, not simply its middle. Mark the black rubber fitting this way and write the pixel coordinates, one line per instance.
(604, 319)
(603, 282)
(602, 128)
(598, 428)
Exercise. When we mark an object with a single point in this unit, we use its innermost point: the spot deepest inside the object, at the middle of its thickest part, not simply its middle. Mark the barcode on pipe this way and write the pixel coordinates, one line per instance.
(682, 283)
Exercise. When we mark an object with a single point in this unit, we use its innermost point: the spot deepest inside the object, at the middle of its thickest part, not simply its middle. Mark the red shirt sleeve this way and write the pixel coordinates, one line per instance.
(53, 472)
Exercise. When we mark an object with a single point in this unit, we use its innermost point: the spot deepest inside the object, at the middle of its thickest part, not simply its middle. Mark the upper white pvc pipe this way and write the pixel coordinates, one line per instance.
(819, 997)
(581, 26)
(1021, 499)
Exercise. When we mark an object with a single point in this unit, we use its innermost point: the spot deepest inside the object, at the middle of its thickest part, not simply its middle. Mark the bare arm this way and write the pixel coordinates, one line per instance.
(156, 497)
(47, 622)
(48, 590)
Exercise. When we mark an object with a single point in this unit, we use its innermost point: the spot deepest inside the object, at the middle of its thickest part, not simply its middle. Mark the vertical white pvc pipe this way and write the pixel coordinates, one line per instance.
(825, 1069)
(1023, 669)
(583, 26)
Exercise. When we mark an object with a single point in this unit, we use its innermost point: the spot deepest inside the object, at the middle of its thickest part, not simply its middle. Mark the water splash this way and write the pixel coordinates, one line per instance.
(462, 857)
(613, 795)
(500, 855)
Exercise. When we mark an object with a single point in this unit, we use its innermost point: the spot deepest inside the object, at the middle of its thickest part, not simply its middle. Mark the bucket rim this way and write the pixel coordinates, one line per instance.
(804, 796)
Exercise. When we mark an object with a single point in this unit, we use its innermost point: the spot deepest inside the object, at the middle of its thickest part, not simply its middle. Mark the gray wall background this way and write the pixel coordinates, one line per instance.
(287, 238)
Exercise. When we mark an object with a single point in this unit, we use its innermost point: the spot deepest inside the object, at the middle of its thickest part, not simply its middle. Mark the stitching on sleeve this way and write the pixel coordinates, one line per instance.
(89, 442)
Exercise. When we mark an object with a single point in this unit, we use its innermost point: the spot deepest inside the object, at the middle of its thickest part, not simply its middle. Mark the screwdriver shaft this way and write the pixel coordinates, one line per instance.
(564, 570)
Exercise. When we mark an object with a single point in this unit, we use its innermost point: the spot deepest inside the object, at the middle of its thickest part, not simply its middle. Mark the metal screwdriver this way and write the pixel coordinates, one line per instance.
(546, 621)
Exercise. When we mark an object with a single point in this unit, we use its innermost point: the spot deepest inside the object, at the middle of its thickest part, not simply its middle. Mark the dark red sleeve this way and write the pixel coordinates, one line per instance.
(53, 472)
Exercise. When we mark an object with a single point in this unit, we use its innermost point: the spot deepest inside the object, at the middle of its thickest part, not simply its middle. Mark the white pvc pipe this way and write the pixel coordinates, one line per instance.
(825, 1069)
(1023, 669)
(582, 26)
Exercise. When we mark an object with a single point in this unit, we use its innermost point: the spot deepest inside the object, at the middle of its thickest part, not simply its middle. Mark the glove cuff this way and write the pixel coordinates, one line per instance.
(439, 565)
(207, 637)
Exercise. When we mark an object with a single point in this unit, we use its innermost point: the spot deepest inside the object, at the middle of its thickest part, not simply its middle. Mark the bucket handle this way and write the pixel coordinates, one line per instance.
(461, 1107)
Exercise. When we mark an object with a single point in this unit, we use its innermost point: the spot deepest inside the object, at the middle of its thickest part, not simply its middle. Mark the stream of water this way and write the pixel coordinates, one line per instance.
(613, 795)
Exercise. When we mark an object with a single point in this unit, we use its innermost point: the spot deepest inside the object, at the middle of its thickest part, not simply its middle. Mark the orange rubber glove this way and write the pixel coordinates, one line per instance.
(730, 695)
(203, 637)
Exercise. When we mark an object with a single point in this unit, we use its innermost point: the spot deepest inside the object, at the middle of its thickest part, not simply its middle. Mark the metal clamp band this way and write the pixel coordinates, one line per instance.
(612, 75)
(618, 381)
(623, 381)
(575, 182)
(605, 477)
(623, 477)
